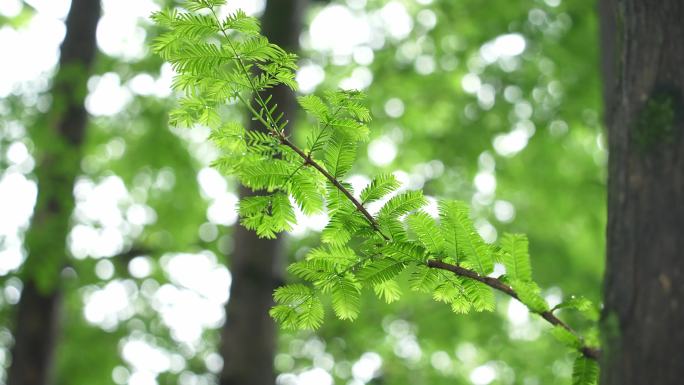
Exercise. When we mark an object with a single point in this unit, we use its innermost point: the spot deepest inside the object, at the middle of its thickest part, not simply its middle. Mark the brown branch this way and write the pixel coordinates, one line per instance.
(336, 183)
(495, 283)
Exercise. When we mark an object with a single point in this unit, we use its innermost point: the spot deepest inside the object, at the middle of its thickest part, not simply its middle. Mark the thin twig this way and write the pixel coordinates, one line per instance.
(502, 287)
(494, 283)
(336, 183)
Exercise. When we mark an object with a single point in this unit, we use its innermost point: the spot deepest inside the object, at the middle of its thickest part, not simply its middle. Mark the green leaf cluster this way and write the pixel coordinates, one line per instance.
(220, 62)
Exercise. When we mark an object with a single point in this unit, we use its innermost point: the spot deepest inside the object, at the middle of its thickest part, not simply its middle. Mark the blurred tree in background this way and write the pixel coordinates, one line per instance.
(642, 59)
(58, 137)
(248, 339)
(513, 98)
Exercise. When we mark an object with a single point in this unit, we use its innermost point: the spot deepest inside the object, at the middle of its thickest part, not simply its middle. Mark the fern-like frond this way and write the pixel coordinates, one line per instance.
(340, 154)
(315, 106)
(241, 22)
(323, 265)
(351, 128)
(389, 290)
(461, 237)
(298, 307)
(581, 304)
(585, 371)
(306, 188)
(267, 215)
(402, 204)
(346, 297)
(341, 257)
(342, 226)
(480, 295)
(423, 279)
(194, 26)
(404, 251)
(229, 137)
(257, 48)
(516, 257)
(266, 175)
(528, 293)
(380, 270)
(427, 231)
(199, 5)
(380, 186)
(451, 291)
(565, 337)
(389, 215)
(200, 58)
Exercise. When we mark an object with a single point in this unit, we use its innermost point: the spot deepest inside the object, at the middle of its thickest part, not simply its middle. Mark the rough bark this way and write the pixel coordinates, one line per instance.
(248, 339)
(643, 58)
(58, 140)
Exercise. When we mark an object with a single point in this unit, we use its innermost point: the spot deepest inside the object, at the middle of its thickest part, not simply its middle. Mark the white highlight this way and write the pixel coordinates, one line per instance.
(367, 367)
(483, 375)
(504, 211)
(309, 76)
(315, 376)
(107, 97)
(382, 151)
(10, 8)
(398, 23)
(394, 108)
(503, 47)
(485, 183)
(471, 83)
(43, 34)
(336, 29)
(18, 198)
(107, 306)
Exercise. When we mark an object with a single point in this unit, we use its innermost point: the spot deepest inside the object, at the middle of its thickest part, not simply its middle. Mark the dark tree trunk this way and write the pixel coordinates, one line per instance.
(643, 58)
(248, 339)
(58, 140)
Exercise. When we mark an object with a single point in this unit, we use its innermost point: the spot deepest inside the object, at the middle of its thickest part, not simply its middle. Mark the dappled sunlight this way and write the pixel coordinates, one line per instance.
(324, 32)
(43, 34)
(223, 207)
(382, 151)
(309, 76)
(483, 375)
(504, 211)
(107, 96)
(145, 85)
(111, 304)
(520, 325)
(146, 360)
(119, 31)
(360, 79)
(19, 197)
(394, 108)
(201, 273)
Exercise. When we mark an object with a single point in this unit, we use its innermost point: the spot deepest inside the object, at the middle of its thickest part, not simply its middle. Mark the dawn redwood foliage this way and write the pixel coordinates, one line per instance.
(221, 62)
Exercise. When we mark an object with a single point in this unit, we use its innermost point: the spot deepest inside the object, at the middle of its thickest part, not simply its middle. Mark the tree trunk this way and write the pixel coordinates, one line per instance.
(58, 140)
(643, 65)
(248, 339)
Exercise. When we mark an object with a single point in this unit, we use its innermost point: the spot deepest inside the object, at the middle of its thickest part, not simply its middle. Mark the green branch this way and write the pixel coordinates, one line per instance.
(449, 257)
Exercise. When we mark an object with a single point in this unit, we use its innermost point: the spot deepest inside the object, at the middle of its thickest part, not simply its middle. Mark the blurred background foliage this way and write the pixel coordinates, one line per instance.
(496, 103)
